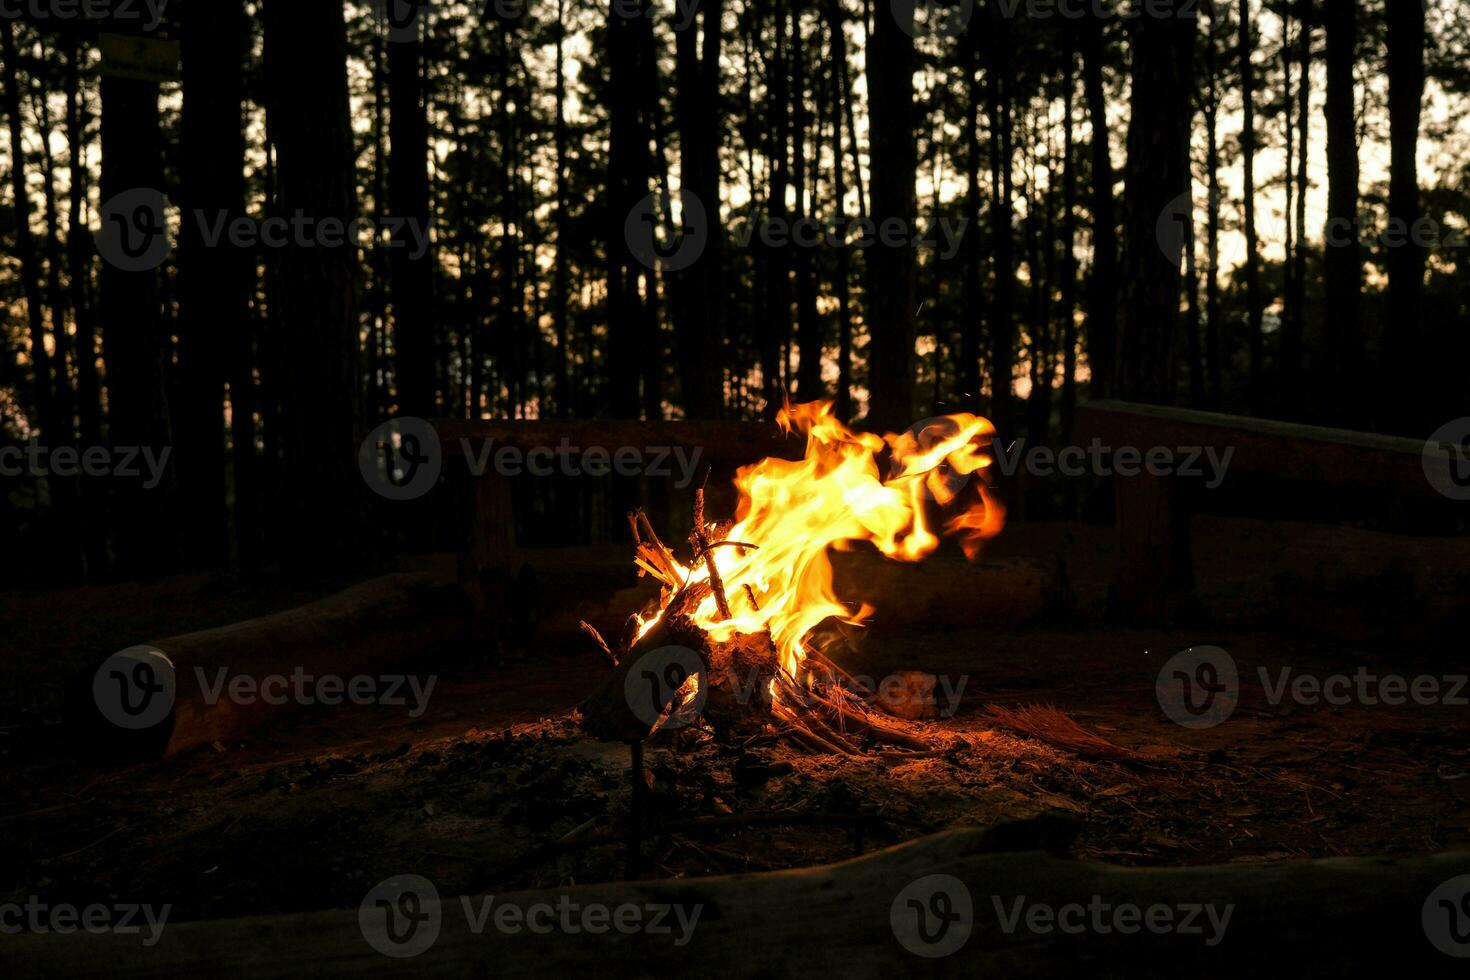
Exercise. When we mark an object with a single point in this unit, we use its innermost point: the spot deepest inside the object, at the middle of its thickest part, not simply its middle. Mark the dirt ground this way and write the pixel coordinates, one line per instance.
(494, 787)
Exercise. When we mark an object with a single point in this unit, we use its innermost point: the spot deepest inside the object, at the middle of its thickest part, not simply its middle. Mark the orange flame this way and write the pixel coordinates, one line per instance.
(833, 497)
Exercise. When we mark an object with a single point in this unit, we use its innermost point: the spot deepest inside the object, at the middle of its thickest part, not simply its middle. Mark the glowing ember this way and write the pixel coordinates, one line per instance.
(834, 497)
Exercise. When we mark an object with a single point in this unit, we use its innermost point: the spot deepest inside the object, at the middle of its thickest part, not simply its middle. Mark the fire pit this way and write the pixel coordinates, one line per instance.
(738, 644)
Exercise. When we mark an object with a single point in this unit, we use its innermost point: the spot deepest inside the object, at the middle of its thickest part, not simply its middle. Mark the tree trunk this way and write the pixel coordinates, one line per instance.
(132, 330)
(699, 290)
(60, 427)
(1342, 259)
(269, 354)
(560, 271)
(1193, 314)
(459, 307)
(62, 407)
(509, 315)
(316, 315)
(214, 281)
(1252, 252)
(1404, 336)
(79, 251)
(972, 317)
(377, 397)
(841, 107)
(998, 78)
(809, 323)
(1288, 55)
(774, 330)
(624, 192)
(809, 386)
(1039, 261)
(1157, 176)
(892, 287)
(1294, 329)
(411, 282)
(652, 169)
(1213, 350)
(42, 403)
(1069, 245)
(1102, 299)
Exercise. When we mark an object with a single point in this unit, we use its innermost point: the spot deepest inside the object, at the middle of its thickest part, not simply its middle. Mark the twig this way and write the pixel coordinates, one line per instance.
(591, 631)
(111, 833)
(665, 558)
(1051, 726)
(689, 597)
(901, 757)
(709, 559)
(727, 544)
(572, 834)
(646, 567)
(813, 742)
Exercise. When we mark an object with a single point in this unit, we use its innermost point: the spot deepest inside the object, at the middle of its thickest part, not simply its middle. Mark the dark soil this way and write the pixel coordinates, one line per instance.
(495, 788)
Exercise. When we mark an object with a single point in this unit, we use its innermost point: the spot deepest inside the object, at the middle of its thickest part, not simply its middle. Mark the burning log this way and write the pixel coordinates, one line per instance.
(651, 677)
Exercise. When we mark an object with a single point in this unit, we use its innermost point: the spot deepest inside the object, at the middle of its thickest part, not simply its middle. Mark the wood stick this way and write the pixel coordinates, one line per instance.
(591, 631)
(813, 742)
(687, 599)
(860, 718)
(729, 544)
(666, 558)
(645, 566)
(813, 725)
(874, 724)
(709, 559)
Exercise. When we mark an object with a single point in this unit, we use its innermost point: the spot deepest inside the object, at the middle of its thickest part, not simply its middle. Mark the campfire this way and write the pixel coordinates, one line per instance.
(739, 642)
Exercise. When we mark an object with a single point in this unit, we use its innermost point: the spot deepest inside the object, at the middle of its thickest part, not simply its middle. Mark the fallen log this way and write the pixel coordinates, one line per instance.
(382, 623)
(860, 918)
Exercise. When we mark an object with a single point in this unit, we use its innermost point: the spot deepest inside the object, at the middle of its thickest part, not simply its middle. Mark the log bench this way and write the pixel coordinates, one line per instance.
(384, 623)
(1365, 916)
(1154, 573)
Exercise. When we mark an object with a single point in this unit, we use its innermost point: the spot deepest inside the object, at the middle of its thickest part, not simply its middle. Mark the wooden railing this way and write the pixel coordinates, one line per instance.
(1153, 513)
